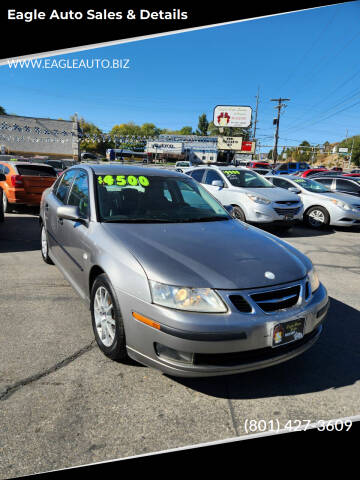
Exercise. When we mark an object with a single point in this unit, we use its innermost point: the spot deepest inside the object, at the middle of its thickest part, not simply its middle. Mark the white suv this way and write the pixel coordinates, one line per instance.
(254, 199)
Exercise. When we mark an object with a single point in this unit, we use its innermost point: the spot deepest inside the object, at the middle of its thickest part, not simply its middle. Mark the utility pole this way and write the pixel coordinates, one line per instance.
(255, 122)
(351, 153)
(277, 121)
(256, 113)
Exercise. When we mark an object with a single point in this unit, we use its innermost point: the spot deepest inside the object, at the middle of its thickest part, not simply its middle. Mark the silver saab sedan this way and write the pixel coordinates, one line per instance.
(172, 279)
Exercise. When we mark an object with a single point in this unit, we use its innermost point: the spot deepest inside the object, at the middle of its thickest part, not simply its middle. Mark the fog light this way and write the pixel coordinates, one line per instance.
(171, 354)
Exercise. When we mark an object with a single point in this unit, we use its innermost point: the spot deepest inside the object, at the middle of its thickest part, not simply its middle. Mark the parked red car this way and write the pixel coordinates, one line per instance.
(311, 171)
(260, 165)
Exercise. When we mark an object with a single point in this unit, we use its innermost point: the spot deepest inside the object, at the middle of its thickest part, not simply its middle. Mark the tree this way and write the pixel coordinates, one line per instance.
(2, 111)
(352, 143)
(126, 129)
(303, 154)
(95, 142)
(186, 131)
(149, 130)
(203, 125)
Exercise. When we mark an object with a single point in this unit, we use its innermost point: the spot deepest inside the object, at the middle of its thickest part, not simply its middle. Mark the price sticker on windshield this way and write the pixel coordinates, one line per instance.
(110, 180)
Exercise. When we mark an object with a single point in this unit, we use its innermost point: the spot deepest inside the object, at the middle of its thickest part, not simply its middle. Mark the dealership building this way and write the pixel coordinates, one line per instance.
(196, 148)
(41, 137)
(183, 147)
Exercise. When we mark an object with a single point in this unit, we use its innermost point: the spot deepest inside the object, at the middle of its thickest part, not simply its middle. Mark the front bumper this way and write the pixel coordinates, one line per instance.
(221, 344)
(344, 218)
(274, 214)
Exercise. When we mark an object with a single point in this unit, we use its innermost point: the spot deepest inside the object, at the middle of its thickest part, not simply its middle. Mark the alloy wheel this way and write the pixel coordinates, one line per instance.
(104, 313)
(316, 218)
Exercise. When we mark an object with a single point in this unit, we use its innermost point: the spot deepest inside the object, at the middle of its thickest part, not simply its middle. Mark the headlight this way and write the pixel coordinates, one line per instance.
(185, 298)
(341, 204)
(257, 199)
(314, 280)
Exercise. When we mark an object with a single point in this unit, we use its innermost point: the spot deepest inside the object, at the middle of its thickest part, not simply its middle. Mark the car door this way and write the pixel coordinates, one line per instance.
(346, 186)
(197, 174)
(56, 198)
(216, 191)
(284, 183)
(73, 235)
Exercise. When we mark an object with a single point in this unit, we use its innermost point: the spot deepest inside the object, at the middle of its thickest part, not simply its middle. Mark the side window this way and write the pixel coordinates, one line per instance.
(324, 181)
(292, 165)
(1, 168)
(197, 174)
(211, 176)
(79, 194)
(65, 184)
(345, 186)
(280, 182)
(283, 167)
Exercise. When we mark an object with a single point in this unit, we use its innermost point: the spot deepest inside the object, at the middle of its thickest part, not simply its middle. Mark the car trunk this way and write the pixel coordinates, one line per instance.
(36, 178)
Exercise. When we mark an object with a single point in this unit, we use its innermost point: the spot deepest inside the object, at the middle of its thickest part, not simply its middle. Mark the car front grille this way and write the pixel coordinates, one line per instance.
(288, 202)
(286, 211)
(274, 300)
(240, 303)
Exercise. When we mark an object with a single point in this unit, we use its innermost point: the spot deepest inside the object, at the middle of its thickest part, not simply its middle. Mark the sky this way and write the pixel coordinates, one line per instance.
(310, 57)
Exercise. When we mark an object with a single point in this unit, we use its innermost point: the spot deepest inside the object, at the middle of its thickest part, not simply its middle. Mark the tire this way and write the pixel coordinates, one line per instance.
(108, 326)
(45, 246)
(239, 214)
(6, 205)
(317, 217)
(2, 216)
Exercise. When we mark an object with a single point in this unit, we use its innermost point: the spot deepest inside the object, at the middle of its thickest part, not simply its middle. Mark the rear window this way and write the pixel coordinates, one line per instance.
(36, 170)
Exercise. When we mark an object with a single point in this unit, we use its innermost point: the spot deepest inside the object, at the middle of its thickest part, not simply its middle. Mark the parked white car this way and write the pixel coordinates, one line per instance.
(321, 206)
(254, 199)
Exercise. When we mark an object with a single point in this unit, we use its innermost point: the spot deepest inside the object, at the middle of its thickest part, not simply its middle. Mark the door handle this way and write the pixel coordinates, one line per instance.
(61, 221)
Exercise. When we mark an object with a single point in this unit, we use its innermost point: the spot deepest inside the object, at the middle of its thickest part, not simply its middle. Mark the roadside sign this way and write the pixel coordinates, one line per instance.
(229, 143)
(232, 116)
(343, 150)
(248, 147)
(164, 147)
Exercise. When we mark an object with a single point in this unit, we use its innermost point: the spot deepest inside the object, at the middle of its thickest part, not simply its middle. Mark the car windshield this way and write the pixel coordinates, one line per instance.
(246, 179)
(311, 185)
(152, 199)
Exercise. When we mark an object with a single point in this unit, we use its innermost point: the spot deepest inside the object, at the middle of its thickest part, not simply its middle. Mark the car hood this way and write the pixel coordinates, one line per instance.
(223, 254)
(275, 194)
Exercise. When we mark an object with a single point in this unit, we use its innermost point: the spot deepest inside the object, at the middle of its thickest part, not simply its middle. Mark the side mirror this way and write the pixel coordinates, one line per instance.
(217, 183)
(2, 177)
(230, 210)
(69, 212)
(294, 190)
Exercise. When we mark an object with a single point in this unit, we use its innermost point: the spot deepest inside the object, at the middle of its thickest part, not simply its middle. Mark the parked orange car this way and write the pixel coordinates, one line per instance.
(25, 183)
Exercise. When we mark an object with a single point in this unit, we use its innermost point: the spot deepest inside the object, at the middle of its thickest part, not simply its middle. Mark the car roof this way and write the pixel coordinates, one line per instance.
(111, 169)
(220, 167)
(26, 163)
(342, 177)
(288, 177)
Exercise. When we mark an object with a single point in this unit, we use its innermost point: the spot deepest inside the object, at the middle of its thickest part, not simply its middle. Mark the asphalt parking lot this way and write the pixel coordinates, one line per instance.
(63, 403)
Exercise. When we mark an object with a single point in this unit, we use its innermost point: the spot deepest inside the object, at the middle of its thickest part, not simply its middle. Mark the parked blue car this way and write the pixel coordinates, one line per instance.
(290, 168)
